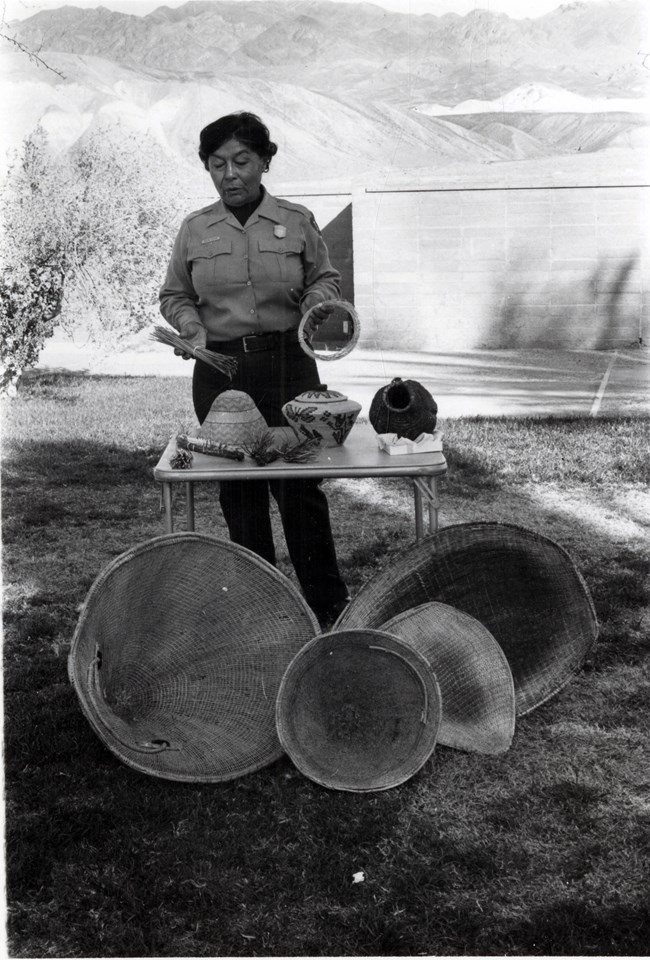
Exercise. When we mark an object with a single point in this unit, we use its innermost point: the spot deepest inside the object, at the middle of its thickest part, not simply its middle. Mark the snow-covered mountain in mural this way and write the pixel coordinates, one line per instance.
(346, 89)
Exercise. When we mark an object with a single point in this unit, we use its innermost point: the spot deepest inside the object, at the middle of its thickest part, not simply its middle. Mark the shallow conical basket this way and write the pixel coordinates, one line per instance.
(476, 686)
(358, 710)
(520, 585)
(179, 652)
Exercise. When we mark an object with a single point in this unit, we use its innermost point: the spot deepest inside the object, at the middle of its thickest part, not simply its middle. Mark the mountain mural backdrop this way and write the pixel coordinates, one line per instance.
(346, 89)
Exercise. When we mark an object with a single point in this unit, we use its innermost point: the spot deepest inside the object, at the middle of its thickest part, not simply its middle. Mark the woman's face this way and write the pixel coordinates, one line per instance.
(236, 172)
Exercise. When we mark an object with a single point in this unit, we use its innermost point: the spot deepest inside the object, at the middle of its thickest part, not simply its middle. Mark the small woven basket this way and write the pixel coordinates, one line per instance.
(358, 710)
(179, 652)
(520, 585)
(233, 419)
(404, 407)
(476, 686)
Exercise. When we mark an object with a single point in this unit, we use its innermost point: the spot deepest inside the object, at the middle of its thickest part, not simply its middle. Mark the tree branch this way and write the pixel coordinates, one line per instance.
(34, 57)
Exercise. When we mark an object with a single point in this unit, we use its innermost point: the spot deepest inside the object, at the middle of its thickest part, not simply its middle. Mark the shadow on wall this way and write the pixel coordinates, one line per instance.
(575, 310)
(338, 237)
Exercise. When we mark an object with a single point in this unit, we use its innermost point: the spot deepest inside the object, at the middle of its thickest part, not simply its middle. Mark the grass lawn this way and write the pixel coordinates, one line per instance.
(541, 851)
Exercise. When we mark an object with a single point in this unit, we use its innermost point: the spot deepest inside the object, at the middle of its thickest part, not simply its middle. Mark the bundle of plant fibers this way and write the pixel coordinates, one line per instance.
(219, 361)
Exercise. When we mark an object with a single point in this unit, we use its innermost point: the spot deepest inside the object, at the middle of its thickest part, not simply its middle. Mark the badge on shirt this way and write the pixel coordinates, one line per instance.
(279, 231)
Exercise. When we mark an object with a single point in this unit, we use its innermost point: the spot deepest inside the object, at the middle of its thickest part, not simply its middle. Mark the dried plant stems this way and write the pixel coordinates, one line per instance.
(262, 450)
(219, 361)
(182, 460)
(301, 452)
(265, 450)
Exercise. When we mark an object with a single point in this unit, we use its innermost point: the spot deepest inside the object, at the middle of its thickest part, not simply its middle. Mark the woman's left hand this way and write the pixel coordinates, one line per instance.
(318, 314)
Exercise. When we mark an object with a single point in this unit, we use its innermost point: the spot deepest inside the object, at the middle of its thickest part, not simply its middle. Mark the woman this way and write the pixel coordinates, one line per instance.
(243, 272)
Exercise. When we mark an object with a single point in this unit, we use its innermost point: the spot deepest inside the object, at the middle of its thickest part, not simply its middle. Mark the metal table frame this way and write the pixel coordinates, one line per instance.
(358, 457)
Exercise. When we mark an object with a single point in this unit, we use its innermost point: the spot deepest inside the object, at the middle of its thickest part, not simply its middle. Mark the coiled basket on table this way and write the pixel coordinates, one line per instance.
(178, 656)
(523, 587)
(233, 419)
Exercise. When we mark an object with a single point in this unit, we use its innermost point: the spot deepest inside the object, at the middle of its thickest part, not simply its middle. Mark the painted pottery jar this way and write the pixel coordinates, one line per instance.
(322, 415)
(403, 407)
(234, 419)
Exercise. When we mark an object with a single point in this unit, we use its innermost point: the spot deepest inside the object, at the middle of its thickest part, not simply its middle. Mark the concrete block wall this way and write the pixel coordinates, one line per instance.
(509, 268)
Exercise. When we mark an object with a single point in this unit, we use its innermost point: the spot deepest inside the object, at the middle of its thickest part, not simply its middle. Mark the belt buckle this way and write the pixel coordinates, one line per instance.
(258, 341)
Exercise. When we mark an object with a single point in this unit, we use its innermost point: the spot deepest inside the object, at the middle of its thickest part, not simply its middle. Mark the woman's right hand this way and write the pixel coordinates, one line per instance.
(195, 333)
(318, 315)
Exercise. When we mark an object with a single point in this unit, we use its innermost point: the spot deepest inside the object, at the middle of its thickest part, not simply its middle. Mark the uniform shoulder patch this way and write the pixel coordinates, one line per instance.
(209, 208)
(303, 211)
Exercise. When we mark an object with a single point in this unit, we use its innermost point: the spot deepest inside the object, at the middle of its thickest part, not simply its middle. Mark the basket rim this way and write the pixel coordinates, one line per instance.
(492, 649)
(350, 345)
(528, 533)
(77, 675)
(431, 547)
(412, 657)
(154, 543)
(420, 607)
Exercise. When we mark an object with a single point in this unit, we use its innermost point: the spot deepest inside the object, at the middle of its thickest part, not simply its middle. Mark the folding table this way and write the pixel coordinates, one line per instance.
(358, 457)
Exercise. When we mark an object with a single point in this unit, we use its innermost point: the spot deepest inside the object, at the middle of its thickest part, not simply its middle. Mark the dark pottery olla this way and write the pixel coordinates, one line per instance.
(403, 407)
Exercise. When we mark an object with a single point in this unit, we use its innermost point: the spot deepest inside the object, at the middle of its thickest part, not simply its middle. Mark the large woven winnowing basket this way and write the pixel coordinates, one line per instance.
(358, 710)
(179, 652)
(520, 585)
(476, 686)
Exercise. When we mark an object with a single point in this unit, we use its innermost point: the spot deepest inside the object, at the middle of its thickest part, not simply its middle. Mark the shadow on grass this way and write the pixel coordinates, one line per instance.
(103, 861)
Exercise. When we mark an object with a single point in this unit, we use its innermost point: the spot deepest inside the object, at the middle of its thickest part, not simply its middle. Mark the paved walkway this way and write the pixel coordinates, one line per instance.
(474, 383)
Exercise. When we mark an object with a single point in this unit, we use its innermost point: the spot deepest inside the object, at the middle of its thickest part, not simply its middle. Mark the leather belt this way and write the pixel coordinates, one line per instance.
(255, 341)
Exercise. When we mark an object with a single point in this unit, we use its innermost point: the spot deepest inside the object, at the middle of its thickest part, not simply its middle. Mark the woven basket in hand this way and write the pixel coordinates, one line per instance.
(233, 419)
(476, 686)
(358, 710)
(404, 407)
(179, 652)
(520, 585)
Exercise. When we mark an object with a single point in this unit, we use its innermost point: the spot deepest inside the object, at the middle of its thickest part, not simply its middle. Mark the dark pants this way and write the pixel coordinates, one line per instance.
(271, 378)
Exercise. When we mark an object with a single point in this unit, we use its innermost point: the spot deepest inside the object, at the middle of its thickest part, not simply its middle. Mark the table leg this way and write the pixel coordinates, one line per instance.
(426, 488)
(434, 505)
(189, 504)
(417, 502)
(167, 500)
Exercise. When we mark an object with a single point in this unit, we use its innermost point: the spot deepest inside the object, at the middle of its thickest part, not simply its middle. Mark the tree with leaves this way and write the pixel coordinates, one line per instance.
(86, 239)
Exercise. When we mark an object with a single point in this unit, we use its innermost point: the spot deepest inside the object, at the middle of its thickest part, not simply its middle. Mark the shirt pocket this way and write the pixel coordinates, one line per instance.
(211, 262)
(280, 259)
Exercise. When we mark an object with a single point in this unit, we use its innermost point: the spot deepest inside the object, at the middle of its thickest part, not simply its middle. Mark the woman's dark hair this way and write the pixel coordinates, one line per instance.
(245, 127)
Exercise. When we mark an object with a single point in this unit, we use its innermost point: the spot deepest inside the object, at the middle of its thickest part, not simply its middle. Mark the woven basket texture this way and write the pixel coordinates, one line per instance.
(476, 686)
(523, 587)
(179, 652)
(358, 710)
(338, 349)
(404, 407)
(234, 419)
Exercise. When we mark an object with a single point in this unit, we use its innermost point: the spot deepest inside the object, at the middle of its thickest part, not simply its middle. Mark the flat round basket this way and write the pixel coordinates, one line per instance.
(520, 585)
(358, 710)
(476, 686)
(179, 652)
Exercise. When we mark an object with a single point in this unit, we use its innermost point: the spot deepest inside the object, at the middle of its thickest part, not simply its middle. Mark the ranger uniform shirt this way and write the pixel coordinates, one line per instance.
(242, 280)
